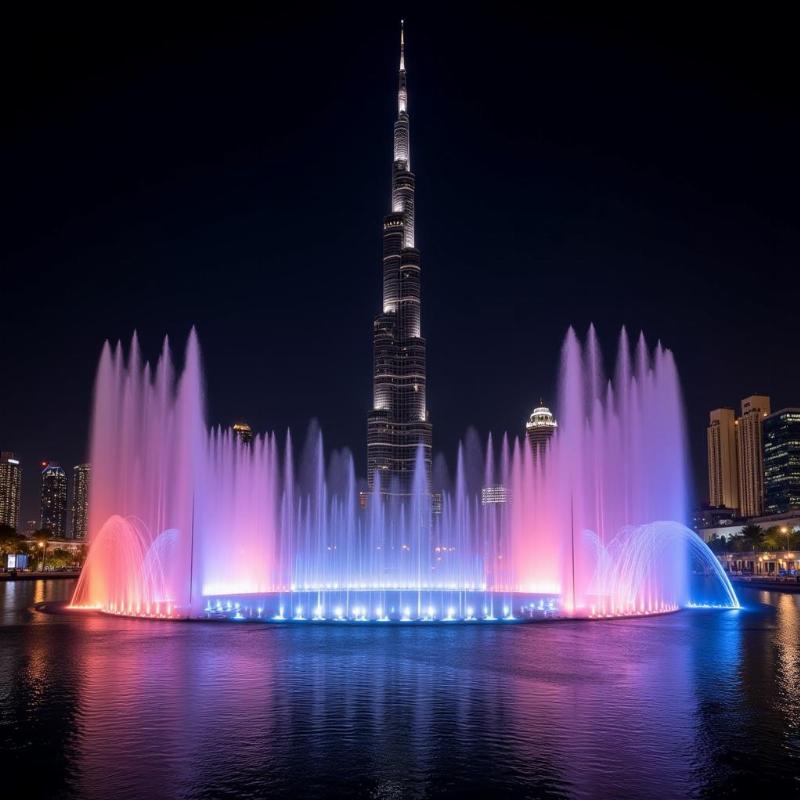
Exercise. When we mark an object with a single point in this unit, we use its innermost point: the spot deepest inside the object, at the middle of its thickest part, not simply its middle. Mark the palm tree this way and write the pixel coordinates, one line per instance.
(718, 544)
(753, 535)
(775, 538)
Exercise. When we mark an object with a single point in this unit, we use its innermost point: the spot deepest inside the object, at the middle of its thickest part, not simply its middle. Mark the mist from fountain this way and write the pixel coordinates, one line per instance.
(190, 522)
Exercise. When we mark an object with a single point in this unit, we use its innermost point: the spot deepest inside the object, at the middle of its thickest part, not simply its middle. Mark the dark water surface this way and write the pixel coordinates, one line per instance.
(699, 703)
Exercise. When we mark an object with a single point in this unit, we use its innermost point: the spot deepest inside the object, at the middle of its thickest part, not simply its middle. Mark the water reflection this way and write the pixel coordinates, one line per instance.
(700, 702)
(37, 697)
(787, 640)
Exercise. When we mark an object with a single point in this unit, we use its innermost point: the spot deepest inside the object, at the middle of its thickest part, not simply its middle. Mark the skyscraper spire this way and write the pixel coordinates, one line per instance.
(402, 179)
(402, 95)
(398, 423)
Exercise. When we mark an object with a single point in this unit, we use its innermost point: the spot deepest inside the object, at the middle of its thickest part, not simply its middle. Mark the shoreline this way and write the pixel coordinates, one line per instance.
(770, 584)
(39, 576)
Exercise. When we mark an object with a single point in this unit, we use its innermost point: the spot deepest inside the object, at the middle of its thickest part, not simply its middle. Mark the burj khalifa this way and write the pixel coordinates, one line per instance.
(398, 424)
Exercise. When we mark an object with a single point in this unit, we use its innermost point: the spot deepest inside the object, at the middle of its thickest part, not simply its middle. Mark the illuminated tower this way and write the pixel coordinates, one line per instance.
(10, 490)
(54, 500)
(398, 422)
(540, 427)
(781, 432)
(723, 468)
(750, 454)
(80, 500)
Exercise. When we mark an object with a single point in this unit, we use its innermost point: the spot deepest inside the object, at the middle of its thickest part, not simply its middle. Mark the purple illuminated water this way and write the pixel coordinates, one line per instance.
(187, 521)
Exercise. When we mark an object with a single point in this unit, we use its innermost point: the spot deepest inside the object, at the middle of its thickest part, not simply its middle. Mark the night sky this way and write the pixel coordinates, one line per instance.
(232, 173)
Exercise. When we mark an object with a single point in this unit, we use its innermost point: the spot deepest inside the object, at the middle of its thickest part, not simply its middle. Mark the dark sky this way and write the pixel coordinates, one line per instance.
(160, 171)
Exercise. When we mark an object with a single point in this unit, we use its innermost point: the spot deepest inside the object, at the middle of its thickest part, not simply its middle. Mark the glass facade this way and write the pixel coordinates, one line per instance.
(80, 500)
(54, 500)
(781, 434)
(10, 490)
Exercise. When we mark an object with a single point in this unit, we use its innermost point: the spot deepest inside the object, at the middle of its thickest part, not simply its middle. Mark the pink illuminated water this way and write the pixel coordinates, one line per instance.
(187, 521)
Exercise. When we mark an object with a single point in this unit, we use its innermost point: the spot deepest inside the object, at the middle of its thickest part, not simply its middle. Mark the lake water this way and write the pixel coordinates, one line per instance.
(698, 703)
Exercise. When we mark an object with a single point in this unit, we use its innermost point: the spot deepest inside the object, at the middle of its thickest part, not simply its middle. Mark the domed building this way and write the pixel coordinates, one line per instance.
(540, 427)
(243, 432)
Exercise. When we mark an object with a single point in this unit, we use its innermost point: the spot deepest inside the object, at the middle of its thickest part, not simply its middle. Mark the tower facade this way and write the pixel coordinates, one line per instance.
(723, 468)
(54, 500)
(10, 490)
(750, 454)
(80, 500)
(398, 422)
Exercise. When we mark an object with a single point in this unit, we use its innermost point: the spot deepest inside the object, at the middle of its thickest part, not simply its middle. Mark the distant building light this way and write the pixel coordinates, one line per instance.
(243, 432)
(494, 495)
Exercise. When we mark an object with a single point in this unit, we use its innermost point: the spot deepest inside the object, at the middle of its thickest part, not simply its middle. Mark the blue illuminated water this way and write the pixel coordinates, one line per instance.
(697, 703)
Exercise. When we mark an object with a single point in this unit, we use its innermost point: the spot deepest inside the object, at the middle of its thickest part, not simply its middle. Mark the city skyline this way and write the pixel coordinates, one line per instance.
(223, 244)
(753, 463)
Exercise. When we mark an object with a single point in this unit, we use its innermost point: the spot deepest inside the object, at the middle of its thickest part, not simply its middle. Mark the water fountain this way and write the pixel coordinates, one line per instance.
(190, 522)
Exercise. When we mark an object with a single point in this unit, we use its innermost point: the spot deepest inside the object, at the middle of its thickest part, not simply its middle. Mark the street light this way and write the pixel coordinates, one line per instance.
(785, 532)
(43, 546)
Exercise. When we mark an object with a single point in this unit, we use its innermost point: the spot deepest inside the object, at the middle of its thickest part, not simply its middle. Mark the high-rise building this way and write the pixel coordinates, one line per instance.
(750, 455)
(723, 467)
(80, 500)
(782, 461)
(243, 432)
(540, 427)
(10, 490)
(398, 423)
(54, 499)
(30, 527)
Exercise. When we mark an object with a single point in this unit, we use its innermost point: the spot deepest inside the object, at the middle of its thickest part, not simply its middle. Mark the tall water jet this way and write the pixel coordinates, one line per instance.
(147, 439)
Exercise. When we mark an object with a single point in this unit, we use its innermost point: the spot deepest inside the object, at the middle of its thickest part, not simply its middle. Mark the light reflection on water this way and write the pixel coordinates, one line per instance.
(695, 703)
